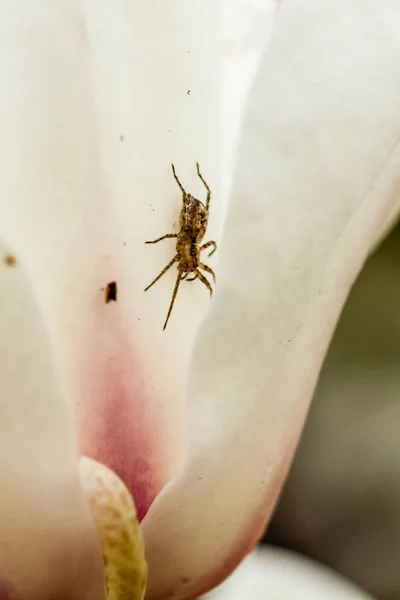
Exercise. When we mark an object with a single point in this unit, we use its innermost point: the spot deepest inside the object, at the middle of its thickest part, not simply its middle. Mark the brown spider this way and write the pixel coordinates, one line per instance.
(193, 225)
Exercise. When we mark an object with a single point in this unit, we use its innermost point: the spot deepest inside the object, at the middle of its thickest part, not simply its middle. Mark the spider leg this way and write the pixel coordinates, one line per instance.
(177, 180)
(178, 280)
(185, 276)
(169, 265)
(204, 280)
(205, 185)
(163, 237)
(207, 245)
(209, 270)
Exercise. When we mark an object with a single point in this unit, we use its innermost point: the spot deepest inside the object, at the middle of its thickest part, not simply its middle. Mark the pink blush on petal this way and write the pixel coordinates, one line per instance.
(118, 440)
(6, 592)
(117, 417)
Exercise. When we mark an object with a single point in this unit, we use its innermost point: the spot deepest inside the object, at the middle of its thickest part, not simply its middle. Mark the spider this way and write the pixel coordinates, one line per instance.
(193, 225)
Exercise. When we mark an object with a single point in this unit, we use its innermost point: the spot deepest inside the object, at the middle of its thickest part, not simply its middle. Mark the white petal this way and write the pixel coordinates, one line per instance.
(276, 574)
(246, 27)
(49, 547)
(317, 176)
(98, 99)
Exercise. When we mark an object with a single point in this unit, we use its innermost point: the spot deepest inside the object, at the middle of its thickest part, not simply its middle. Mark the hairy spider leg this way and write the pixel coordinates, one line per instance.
(177, 180)
(178, 280)
(163, 237)
(207, 245)
(209, 270)
(205, 185)
(204, 280)
(169, 265)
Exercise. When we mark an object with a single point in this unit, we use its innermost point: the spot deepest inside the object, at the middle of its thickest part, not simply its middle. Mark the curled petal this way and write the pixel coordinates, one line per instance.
(317, 178)
(49, 547)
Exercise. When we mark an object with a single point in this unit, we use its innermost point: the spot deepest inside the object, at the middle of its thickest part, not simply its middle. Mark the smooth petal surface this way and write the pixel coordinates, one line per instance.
(98, 99)
(276, 574)
(48, 545)
(246, 29)
(317, 178)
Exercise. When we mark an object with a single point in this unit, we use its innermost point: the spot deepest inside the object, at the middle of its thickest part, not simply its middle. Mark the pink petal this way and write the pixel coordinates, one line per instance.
(316, 181)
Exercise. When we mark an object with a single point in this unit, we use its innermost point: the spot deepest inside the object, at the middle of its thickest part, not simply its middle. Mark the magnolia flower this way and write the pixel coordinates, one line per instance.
(199, 422)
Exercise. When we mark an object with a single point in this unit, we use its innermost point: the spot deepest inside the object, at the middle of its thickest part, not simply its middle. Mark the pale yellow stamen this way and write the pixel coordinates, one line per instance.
(115, 516)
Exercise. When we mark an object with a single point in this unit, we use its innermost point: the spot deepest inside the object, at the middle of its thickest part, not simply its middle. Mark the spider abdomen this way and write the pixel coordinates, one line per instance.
(189, 253)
